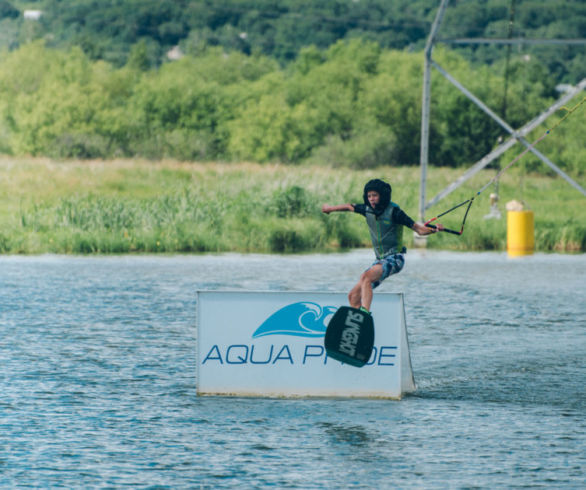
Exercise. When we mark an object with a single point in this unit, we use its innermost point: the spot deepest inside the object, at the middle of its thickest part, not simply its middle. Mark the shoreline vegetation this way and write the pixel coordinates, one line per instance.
(141, 206)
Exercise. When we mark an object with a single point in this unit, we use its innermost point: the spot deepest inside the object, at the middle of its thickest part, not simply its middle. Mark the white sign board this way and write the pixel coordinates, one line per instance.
(272, 344)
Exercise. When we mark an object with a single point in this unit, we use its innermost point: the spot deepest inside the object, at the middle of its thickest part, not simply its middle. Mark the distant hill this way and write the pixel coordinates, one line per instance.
(108, 29)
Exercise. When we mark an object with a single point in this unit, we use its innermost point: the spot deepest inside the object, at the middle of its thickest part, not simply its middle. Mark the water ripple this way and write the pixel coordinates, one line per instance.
(98, 378)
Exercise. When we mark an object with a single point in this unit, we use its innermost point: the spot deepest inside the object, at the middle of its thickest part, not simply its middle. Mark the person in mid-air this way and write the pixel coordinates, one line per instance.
(385, 221)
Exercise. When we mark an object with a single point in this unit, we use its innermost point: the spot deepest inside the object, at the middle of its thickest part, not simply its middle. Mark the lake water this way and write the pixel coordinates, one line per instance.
(98, 378)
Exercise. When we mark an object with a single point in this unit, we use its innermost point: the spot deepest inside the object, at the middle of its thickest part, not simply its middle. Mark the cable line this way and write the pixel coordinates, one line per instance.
(469, 201)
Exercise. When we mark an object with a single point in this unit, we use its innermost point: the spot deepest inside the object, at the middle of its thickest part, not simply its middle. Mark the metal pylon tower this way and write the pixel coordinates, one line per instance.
(515, 135)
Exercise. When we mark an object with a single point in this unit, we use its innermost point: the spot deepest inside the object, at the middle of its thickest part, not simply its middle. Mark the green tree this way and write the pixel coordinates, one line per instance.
(138, 58)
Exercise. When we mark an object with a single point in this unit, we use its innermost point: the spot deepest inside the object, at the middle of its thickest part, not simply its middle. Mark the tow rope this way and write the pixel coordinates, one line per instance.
(503, 170)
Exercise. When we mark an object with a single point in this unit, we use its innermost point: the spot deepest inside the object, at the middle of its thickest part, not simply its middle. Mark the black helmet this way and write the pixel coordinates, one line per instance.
(384, 190)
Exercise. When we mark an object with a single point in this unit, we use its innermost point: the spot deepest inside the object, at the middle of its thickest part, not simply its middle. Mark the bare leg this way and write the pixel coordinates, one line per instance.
(361, 293)
(371, 275)
(354, 295)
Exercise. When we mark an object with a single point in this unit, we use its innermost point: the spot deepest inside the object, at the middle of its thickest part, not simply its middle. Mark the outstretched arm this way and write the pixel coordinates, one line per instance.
(326, 208)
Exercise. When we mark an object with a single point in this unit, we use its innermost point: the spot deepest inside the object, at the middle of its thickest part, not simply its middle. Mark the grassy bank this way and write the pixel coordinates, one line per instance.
(132, 206)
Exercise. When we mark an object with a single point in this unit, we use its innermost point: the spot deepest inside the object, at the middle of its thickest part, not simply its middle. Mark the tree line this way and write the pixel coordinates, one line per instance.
(107, 29)
(354, 104)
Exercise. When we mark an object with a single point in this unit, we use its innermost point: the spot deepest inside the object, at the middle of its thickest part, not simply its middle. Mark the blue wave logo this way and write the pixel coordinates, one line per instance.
(303, 319)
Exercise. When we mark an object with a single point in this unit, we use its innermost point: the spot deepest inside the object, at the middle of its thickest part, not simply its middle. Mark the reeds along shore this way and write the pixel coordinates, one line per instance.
(136, 206)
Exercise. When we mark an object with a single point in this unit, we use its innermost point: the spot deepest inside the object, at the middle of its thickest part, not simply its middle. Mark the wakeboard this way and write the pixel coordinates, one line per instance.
(349, 336)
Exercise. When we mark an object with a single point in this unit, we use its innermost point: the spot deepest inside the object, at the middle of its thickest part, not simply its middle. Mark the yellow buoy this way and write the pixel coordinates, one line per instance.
(520, 236)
